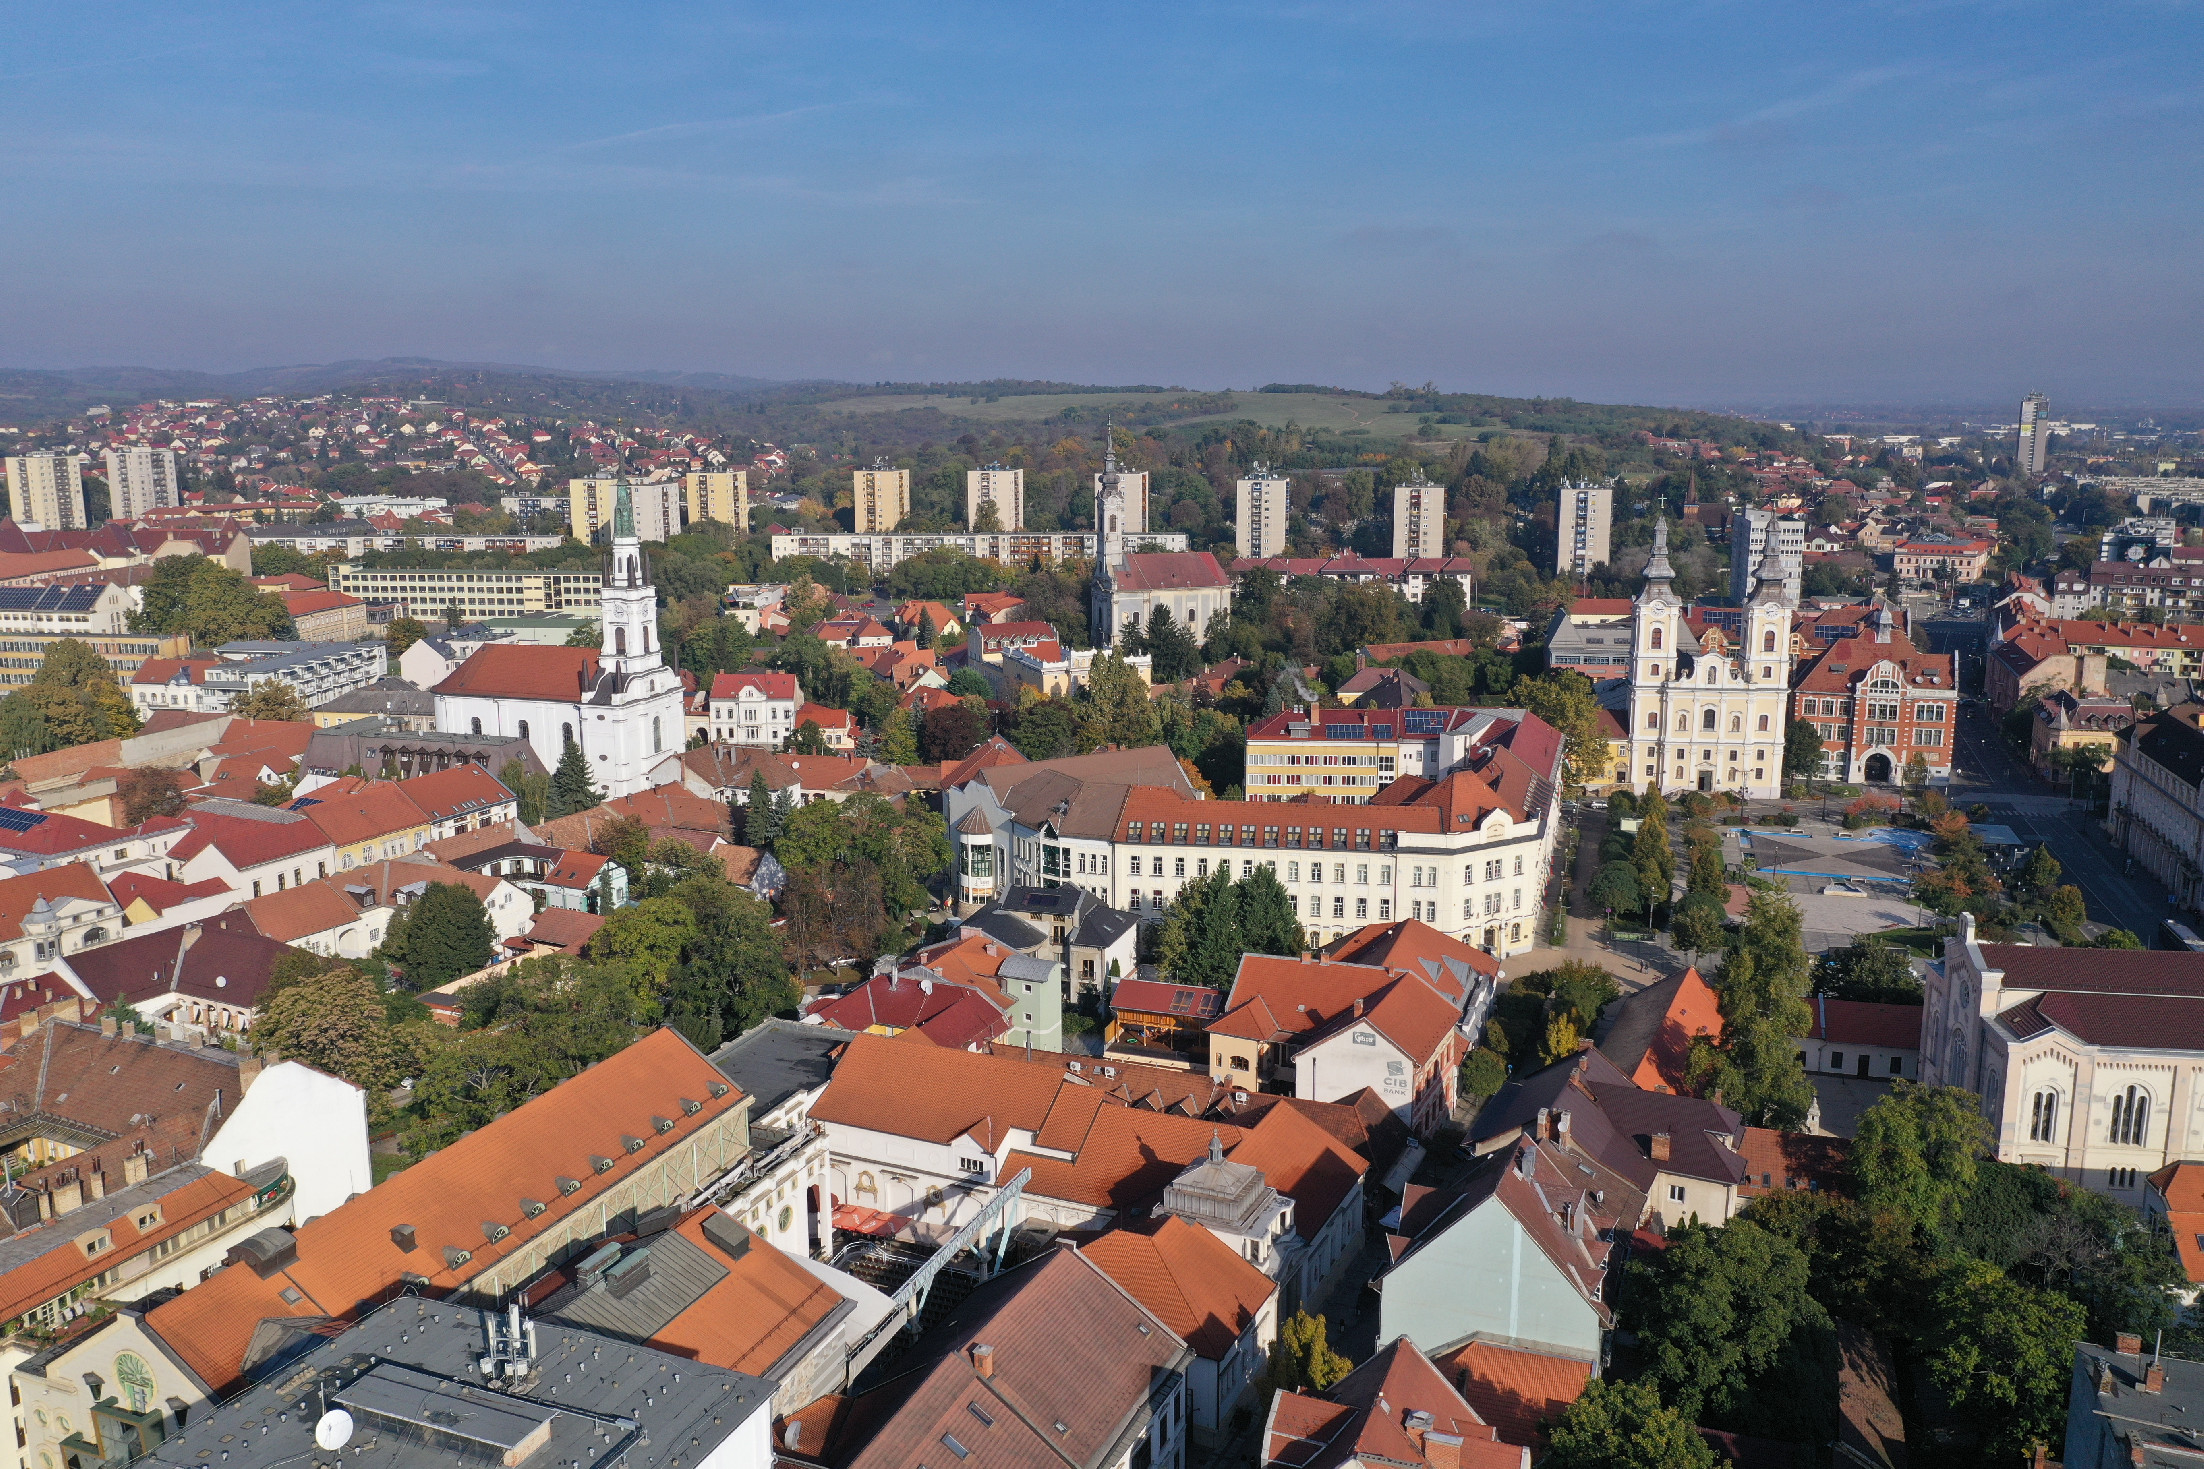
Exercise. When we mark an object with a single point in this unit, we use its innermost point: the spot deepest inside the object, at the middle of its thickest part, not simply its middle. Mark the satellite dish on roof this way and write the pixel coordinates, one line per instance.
(334, 1430)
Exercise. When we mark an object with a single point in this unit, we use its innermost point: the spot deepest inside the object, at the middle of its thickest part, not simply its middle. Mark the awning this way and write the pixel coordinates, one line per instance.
(857, 1219)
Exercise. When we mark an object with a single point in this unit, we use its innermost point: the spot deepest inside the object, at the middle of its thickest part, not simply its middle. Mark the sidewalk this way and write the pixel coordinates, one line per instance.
(1633, 966)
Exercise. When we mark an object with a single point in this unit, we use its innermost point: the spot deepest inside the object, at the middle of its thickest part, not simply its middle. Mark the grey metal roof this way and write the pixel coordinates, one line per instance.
(775, 1059)
(1007, 928)
(588, 1398)
(651, 1284)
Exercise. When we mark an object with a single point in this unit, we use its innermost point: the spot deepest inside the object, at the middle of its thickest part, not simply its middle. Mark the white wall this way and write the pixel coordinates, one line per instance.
(750, 1445)
(310, 1118)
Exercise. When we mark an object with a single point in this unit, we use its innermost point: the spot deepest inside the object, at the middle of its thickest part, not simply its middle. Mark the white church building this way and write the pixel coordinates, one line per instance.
(619, 701)
(1706, 714)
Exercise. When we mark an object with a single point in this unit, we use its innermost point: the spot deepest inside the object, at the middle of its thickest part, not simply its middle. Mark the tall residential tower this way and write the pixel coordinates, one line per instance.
(1002, 488)
(1419, 520)
(139, 479)
(46, 490)
(879, 498)
(722, 495)
(1582, 516)
(1264, 500)
(2034, 450)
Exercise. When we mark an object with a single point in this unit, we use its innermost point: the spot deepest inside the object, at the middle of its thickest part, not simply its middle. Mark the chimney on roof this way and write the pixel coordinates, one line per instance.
(95, 1180)
(1657, 1147)
(134, 1167)
(2128, 1343)
(2136, 1450)
(248, 1072)
(2154, 1378)
(68, 1194)
(107, 1025)
(1561, 1126)
(983, 1359)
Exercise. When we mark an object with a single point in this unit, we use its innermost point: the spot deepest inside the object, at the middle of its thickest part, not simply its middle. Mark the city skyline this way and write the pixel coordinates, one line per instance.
(1921, 204)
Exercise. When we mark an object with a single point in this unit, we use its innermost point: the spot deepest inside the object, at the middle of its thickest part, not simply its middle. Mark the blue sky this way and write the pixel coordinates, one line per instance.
(1675, 202)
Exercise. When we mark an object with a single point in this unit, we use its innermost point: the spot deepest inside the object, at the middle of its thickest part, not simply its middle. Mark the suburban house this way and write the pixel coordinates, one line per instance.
(754, 708)
(1863, 1039)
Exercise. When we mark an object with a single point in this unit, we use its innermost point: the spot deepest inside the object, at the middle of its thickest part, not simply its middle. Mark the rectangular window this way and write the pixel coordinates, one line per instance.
(1201, 833)
(1675, 1193)
(1293, 836)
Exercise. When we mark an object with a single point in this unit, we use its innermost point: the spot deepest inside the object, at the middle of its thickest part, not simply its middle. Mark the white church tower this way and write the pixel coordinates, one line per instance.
(1706, 711)
(632, 719)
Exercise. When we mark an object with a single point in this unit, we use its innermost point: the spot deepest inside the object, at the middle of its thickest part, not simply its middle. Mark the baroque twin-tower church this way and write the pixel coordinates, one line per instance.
(1707, 708)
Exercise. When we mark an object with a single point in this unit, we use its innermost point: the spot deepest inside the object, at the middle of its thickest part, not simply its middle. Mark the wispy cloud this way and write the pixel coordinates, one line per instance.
(1772, 122)
(668, 132)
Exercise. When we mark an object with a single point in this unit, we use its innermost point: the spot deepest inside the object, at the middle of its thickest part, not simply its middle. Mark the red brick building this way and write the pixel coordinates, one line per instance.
(1878, 701)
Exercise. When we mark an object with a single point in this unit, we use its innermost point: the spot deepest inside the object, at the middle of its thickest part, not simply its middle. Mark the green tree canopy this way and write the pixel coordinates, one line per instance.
(272, 698)
(444, 933)
(2004, 1354)
(573, 787)
(1917, 1152)
(1715, 1308)
(1302, 1359)
(1615, 1424)
(213, 604)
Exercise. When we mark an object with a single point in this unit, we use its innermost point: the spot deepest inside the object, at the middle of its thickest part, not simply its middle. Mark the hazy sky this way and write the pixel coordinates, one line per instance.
(1671, 202)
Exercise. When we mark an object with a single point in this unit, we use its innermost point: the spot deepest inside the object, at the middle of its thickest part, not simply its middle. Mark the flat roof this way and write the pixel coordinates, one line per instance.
(776, 1059)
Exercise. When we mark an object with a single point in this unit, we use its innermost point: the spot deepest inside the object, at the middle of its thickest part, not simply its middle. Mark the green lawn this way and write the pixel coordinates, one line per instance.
(1333, 412)
(383, 1165)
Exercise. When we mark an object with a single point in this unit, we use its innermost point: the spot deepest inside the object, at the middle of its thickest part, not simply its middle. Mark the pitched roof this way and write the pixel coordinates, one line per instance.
(1091, 1379)
(300, 912)
(458, 791)
(348, 1258)
(224, 959)
(248, 841)
(1164, 571)
(936, 1095)
(1514, 1390)
(123, 1084)
(1863, 1023)
(158, 893)
(1650, 1037)
(1415, 947)
(524, 671)
(1194, 1282)
(19, 895)
(1302, 1159)
(1614, 1121)
(370, 813)
(1306, 1000)
(769, 685)
(1373, 1416)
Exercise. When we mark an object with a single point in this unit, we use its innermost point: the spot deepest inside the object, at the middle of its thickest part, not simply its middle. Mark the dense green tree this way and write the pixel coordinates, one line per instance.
(1171, 646)
(1118, 709)
(1917, 1153)
(2003, 1352)
(23, 729)
(1615, 888)
(335, 1020)
(210, 602)
(1564, 700)
(1802, 749)
(1484, 1072)
(1651, 854)
(1302, 1360)
(1044, 729)
(808, 739)
(899, 739)
(444, 933)
(648, 937)
(1617, 1424)
(272, 699)
(531, 793)
(402, 634)
(1714, 1309)
(970, 683)
(573, 787)
(1269, 923)
(1871, 970)
(761, 821)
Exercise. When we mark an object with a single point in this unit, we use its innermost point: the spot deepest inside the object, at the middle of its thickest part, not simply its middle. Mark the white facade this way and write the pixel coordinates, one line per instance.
(1750, 531)
(1419, 520)
(46, 490)
(2032, 451)
(316, 672)
(1583, 514)
(755, 715)
(1000, 487)
(1264, 501)
(140, 479)
(70, 611)
(1708, 721)
(2100, 1115)
(631, 721)
(309, 1118)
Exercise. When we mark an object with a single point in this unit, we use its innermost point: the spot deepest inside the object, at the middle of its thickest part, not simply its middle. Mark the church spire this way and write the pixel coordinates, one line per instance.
(1658, 569)
(1109, 446)
(623, 514)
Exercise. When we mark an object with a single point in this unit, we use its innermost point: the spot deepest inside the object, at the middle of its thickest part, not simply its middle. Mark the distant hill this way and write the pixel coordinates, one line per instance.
(32, 394)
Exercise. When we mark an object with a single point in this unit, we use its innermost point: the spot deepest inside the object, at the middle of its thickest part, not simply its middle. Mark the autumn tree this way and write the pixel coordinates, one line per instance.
(1302, 1359)
(272, 698)
(148, 792)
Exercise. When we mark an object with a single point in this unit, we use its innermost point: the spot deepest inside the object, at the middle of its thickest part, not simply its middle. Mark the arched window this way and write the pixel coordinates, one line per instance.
(655, 735)
(566, 734)
(2043, 1117)
(475, 725)
(1706, 719)
(524, 729)
(1652, 720)
(1656, 637)
(620, 641)
(2130, 1115)
(1737, 724)
(1767, 641)
(1713, 671)
(1763, 724)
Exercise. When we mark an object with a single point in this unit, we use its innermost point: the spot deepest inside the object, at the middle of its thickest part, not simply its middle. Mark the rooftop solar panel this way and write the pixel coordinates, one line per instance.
(14, 819)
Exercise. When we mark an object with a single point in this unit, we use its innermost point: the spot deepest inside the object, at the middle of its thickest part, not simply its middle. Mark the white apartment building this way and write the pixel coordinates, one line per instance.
(1583, 514)
(722, 495)
(1750, 532)
(1002, 488)
(754, 708)
(2033, 449)
(46, 490)
(316, 672)
(878, 553)
(421, 593)
(1264, 501)
(590, 504)
(880, 497)
(1419, 519)
(140, 479)
(66, 611)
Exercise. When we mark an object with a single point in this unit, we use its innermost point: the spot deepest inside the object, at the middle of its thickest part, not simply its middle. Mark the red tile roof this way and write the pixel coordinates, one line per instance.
(348, 1259)
(1159, 571)
(372, 812)
(524, 671)
(1860, 1023)
(771, 685)
(244, 841)
(18, 895)
(459, 791)
(1514, 1390)
(1198, 1285)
